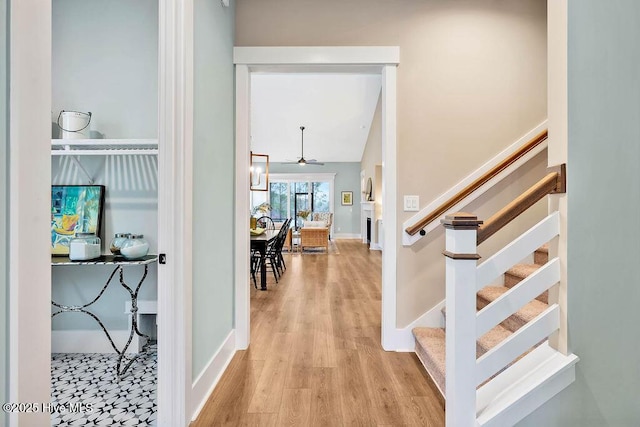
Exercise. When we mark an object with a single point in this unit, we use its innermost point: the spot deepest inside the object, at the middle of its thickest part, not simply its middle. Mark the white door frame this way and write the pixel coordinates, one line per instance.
(29, 257)
(175, 177)
(383, 60)
(29, 205)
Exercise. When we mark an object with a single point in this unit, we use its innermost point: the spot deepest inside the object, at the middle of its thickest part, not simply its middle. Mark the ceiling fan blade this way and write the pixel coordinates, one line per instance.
(312, 162)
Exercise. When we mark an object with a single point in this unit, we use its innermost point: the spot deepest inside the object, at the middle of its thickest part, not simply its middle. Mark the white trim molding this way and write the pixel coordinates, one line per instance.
(293, 177)
(380, 60)
(208, 379)
(175, 158)
(242, 244)
(317, 55)
(389, 207)
(29, 262)
(524, 386)
(346, 236)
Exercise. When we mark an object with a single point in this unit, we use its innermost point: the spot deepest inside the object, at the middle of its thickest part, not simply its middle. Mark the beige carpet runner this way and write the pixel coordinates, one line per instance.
(430, 342)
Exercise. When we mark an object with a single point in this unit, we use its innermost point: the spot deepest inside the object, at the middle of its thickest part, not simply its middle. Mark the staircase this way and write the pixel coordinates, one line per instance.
(504, 350)
(430, 342)
(493, 362)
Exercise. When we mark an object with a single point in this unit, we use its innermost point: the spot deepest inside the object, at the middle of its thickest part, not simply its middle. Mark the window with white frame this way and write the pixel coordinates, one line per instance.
(290, 195)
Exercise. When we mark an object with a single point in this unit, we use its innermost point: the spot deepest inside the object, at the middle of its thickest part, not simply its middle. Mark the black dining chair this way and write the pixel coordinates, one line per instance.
(273, 256)
(266, 223)
(282, 239)
(255, 266)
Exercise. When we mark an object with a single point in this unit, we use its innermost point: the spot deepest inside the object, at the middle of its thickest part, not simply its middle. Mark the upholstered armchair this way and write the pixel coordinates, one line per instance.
(327, 217)
(314, 234)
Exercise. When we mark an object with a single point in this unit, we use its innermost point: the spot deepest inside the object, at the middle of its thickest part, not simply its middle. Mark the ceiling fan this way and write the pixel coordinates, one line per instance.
(302, 161)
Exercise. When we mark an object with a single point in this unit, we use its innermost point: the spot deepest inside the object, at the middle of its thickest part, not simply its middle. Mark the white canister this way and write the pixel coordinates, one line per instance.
(84, 246)
(74, 124)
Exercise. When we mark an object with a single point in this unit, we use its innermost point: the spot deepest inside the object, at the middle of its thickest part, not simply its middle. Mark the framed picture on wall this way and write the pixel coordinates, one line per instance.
(347, 198)
(74, 209)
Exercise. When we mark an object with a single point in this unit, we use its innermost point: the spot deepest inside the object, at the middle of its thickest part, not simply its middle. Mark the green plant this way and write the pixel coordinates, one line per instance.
(304, 214)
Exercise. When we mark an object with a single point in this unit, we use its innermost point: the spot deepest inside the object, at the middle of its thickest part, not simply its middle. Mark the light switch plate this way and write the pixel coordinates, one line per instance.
(411, 203)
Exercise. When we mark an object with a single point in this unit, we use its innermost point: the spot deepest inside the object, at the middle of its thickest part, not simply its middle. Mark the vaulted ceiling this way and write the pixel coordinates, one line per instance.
(335, 109)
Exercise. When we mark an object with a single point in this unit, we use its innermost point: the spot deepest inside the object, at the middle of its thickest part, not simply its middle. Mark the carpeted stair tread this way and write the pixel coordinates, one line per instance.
(430, 348)
(430, 342)
(518, 272)
(541, 255)
(491, 339)
(517, 319)
(522, 270)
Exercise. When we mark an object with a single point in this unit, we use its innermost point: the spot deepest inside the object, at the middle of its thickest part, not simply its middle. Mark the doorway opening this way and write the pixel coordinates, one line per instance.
(103, 328)
(382, 61)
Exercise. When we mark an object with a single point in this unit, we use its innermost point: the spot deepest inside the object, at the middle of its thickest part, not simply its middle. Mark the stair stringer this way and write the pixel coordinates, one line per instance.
(524, 386)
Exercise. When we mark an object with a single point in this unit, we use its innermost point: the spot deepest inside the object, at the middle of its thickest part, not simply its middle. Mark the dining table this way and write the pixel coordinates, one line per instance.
(259, 243)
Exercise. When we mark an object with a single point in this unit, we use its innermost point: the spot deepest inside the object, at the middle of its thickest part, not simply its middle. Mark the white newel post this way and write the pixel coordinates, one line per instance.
(461, 259)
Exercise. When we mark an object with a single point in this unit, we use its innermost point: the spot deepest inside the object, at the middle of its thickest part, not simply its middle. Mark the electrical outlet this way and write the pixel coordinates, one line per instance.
(411, 203)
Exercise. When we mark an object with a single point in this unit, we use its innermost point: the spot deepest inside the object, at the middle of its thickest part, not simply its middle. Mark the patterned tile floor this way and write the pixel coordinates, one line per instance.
(87, 380)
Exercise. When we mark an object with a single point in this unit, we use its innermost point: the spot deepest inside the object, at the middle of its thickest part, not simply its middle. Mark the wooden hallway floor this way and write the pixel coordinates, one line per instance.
(315, 357)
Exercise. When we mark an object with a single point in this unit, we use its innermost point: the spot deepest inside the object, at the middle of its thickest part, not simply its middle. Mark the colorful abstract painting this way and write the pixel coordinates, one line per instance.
(74, 209)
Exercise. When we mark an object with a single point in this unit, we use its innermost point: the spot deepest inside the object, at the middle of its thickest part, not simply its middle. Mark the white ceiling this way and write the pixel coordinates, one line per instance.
(335, 109)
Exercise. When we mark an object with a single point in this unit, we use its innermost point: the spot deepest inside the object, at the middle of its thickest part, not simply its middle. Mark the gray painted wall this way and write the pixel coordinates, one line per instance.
(604, 207)
(105, 60)
(213, 180)
(346, 219)
(4, 170)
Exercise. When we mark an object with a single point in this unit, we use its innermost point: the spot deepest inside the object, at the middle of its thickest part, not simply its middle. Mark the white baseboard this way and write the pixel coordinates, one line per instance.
(90, 341)
(402, 339)
(346, 236)
(375, 247)
(205, 383)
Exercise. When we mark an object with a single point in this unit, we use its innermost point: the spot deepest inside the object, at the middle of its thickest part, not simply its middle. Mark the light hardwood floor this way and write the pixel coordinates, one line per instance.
(315, 357)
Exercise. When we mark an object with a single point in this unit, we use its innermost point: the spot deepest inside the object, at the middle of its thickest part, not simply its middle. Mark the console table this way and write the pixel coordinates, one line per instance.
(119, 264)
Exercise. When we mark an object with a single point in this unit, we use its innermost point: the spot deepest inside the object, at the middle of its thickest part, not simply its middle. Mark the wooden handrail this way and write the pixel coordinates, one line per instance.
(486, 177)
(554, 182)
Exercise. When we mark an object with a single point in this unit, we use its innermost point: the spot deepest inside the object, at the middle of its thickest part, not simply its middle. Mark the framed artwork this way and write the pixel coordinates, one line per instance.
(347, 198)
(74, 209)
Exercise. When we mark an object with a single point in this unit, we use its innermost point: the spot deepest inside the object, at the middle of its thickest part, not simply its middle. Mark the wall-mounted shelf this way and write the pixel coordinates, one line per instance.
(103, 147)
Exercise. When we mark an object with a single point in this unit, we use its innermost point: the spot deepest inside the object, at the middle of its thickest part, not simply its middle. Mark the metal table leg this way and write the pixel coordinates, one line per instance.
(120, 371)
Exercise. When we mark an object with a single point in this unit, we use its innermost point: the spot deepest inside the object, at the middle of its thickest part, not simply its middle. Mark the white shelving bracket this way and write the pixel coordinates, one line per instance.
(76, 160)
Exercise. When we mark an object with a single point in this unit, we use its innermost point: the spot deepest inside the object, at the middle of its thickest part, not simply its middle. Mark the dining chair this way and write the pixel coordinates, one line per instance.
(273, 256)
(282, 236)
(255, 266)
(266, 223)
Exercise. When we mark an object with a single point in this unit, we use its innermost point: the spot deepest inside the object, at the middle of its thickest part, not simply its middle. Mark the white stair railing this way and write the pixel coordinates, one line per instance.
(464, 325)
